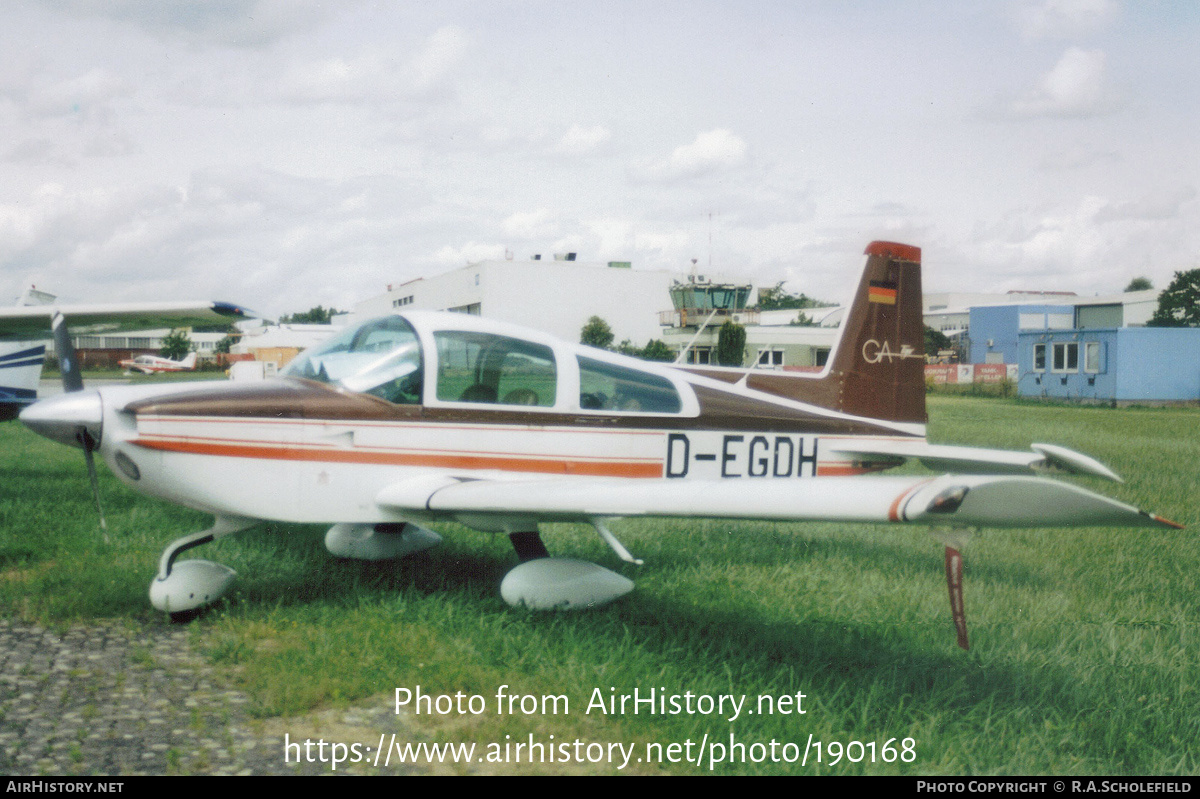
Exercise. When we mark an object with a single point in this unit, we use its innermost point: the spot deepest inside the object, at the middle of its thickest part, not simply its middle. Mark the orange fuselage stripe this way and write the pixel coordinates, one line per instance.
(447, 461)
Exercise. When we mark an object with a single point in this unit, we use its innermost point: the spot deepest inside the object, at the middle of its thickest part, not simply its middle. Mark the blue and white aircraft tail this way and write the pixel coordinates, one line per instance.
(21, 364)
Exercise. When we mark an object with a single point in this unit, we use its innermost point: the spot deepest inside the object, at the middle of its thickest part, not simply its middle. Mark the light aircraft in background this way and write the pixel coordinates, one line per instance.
(421, 417)
(21, 363)
(153, 364)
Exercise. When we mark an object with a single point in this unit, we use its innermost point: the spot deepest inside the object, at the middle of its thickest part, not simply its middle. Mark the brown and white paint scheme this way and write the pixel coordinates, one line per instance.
(743, 443)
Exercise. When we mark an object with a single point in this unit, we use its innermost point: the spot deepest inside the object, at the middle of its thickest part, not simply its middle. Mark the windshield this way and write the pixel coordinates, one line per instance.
(380, 357)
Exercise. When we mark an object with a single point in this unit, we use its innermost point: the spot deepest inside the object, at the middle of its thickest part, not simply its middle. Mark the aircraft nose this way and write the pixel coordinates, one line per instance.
(63, 418)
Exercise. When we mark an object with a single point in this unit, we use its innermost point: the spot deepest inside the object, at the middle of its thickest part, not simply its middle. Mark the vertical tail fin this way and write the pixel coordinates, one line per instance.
(880, 358)
(189, 361)
(878, 368)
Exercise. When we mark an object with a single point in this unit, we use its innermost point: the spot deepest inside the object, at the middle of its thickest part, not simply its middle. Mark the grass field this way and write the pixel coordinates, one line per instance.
(1084, 642)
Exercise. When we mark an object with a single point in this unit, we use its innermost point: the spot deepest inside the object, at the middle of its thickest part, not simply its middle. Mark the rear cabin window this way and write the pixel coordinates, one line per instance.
(607, 387)
(486, 368)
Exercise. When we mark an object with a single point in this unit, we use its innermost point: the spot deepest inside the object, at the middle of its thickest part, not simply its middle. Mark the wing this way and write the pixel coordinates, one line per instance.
(33, 322)
(975, 460)
(949, 500)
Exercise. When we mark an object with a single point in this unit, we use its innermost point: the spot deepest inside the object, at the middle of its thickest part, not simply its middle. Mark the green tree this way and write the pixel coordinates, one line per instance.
(1139, 284)
(175, 345)
(936, 340)
(1179, 304)
(596, 333)
(318, 315)
(731, 344)
(777, 298)
(223, 346)
(656, 350)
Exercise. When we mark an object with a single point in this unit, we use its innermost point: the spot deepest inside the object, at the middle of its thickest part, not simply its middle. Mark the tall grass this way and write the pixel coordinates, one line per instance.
(1084, 641)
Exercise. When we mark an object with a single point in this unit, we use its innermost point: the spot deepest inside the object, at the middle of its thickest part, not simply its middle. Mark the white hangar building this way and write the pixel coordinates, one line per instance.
(556, 296)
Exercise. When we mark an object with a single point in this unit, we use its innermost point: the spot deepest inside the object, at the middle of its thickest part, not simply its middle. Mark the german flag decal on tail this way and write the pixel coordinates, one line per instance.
(883, 292)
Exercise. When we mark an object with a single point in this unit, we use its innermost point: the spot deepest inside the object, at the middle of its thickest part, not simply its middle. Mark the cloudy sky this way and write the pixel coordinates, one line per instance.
(288, 153)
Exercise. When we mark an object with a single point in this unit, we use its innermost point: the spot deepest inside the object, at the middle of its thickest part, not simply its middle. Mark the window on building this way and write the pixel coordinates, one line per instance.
(1066, 357)
(820, 356)
(486, 368)
(1039, 357)
(1093, 357)
(607, 387)
(770, 357)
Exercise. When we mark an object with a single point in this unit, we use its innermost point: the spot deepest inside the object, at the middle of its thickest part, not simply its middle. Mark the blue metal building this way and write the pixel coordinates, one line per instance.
(1125, 364)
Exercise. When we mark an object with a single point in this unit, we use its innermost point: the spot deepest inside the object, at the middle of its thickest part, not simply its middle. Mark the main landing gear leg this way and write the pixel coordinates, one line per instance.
(541, 582)
(955, 540)
(180, 588)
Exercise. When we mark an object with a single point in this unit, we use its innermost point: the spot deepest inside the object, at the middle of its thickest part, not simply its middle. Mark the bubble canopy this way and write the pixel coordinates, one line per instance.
(380, 357)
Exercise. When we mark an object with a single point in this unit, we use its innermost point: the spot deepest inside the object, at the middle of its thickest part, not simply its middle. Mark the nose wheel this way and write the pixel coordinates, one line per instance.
(182, 588)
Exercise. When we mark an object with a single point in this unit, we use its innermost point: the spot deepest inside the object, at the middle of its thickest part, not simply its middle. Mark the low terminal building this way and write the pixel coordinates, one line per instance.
(1122, 365)
(1095, 349)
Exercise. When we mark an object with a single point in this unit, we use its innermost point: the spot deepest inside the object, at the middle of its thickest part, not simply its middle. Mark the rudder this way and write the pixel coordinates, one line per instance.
(880, 357)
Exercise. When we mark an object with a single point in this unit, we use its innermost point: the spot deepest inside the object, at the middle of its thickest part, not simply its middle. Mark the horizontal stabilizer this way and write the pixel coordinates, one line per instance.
(977, 460)
(949, 500)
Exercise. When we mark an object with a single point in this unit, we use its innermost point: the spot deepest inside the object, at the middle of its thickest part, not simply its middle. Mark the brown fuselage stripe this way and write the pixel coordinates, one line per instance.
(643, 469)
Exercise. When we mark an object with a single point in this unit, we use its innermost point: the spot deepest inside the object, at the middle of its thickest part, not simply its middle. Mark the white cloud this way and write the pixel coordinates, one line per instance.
(580, 140)
(539, 224)
(82, 93)
(372, 76)
(237, 23)
(1074, 87)
(1160, 206)
(712, 152)
(353, 79)
(438, 58)
(1066, 18)
(469, 253)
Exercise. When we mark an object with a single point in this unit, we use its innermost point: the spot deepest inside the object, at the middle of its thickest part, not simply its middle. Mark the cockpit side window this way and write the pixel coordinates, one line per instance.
(381, 357)
(608, 387)
(486, 368)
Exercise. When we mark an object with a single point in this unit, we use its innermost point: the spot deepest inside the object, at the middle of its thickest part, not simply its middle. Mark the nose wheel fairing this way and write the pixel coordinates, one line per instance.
(191, 584)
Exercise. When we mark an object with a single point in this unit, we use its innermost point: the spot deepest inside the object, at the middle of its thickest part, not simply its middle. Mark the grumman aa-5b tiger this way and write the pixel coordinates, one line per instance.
(409, 419)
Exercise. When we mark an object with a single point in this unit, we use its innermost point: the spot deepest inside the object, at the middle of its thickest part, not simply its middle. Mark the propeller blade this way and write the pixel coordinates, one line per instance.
(72, 380)
(68, 364)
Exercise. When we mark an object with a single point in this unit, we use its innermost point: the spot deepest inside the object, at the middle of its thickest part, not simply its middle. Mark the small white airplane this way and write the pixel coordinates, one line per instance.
(153, 364)
(20, 371)
(21, 364)
(419, 417)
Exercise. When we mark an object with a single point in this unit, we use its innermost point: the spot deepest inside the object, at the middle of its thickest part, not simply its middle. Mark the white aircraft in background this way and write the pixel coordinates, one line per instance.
(21, 364)
(419, 417)
(153, 364)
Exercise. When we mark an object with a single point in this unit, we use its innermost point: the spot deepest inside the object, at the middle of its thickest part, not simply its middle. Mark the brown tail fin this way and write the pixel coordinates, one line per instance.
(880, 358)
(878, 367)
